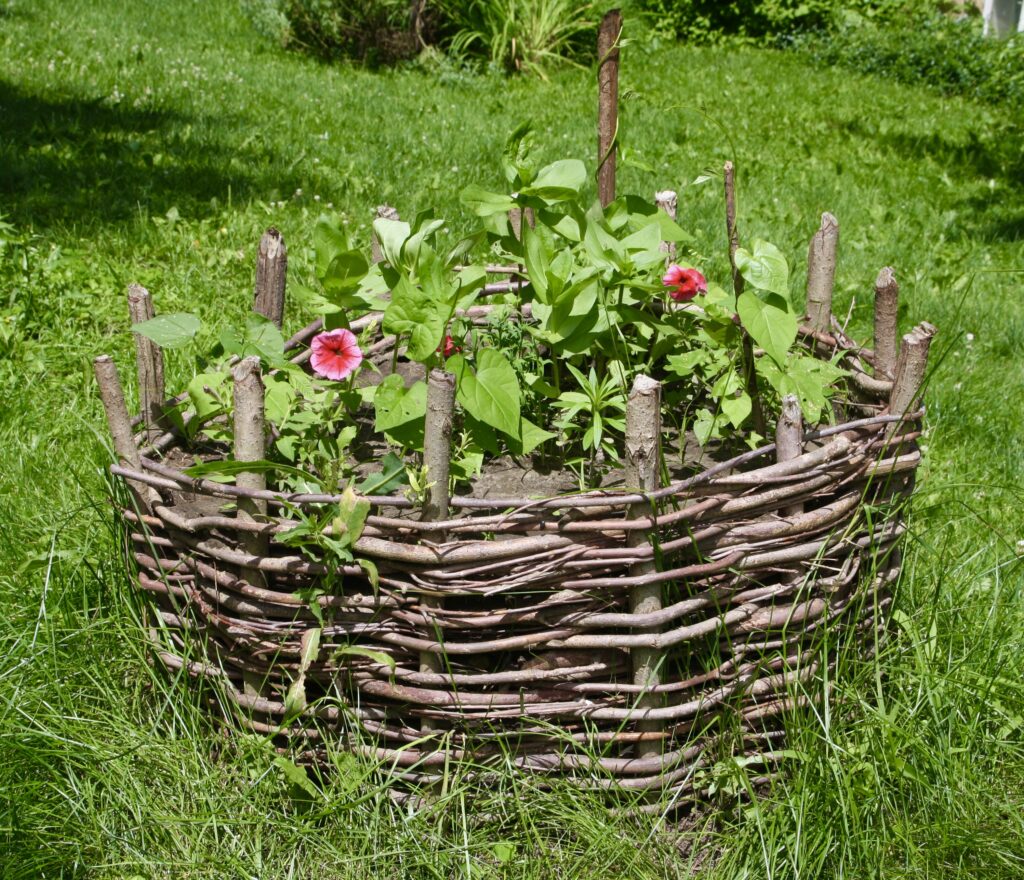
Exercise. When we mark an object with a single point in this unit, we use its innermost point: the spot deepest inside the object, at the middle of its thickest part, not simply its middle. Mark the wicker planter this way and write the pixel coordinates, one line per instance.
(616, 637)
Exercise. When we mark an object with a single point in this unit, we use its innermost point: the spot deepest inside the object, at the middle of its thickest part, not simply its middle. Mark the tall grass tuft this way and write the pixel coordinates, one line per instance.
(521, 35)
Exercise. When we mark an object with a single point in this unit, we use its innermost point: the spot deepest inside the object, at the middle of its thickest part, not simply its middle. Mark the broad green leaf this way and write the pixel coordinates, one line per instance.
(345, 273)
(764, 267)
(705, 426)
(263, 337)
(329, 240)
(517, 157)
(414, 312)
(425, 226)
(278, 399)
(391, 234)
(370, 654)
(396, 406)
(491, 392)
(210, 393)
(296, 775)
(537, 248)
(484, 203)
(530, 437)
(170, 331)
(558, 181)
(736, 409)
(684, 364)
(352, 512)
(391, 476)
(773, 328)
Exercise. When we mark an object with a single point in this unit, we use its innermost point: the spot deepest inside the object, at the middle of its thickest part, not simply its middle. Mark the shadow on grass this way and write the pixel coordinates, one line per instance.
(998, 156)
(79, 162)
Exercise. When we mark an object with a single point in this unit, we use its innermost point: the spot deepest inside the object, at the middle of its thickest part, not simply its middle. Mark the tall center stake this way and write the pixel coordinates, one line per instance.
(607, 103)
(643, 468)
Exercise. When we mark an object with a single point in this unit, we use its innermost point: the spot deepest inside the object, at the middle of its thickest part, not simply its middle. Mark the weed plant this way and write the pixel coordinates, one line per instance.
(157, 146)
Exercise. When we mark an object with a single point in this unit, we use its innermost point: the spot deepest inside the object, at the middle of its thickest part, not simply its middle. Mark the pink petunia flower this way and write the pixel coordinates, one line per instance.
(685, 284)
(448, 347)
(336, 354)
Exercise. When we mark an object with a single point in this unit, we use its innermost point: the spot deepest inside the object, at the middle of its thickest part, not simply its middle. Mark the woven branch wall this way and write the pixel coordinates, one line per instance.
(513, 625)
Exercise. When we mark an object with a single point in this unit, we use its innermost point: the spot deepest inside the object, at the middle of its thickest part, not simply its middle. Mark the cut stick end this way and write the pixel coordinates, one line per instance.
(644, 385)
(272, 243)
(246, 368)
(886, 283)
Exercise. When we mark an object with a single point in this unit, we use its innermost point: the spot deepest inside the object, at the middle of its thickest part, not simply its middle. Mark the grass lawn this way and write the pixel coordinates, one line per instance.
(154, 142)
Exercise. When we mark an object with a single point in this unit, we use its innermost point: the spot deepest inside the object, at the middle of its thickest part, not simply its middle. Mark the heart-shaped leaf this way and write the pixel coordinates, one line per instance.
(764, 267)
(170, 331)
(772, 327)
(491, 392)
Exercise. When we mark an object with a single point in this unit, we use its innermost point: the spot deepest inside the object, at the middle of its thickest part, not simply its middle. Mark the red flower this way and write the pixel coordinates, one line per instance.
(448, 347)
(685, 283)
(336, 354)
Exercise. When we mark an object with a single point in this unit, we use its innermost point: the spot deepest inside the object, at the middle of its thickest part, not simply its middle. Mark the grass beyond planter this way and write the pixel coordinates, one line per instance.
(155, 147)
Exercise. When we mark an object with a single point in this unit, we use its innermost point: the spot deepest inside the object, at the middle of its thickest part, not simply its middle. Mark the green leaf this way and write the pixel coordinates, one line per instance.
(329, 240)
(357, 651)
(537, 246)
(210, 393)
(705, 426)
(530, 437)
(345, 273)
(736, 409)
(400, 411)
(491, 393)
(764, 268)
(558, 181)
(391, 476)
(170, 331)
(773, 328)
(684, 364)
(484, 203)
(278, 399)
(413, 311)
(296, 775)
(516, 158)
(352, 512)
(229, 467)
(391, 234)
(263, 338)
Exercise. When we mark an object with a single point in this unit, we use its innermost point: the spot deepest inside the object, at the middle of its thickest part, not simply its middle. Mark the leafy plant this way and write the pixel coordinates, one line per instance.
(519, 35)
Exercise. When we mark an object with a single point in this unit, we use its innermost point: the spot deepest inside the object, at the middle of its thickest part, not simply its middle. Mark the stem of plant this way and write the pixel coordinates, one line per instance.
(747, 353)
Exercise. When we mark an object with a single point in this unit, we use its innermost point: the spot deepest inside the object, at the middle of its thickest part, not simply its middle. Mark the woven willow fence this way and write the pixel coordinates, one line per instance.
(623, 637)
(612, 635)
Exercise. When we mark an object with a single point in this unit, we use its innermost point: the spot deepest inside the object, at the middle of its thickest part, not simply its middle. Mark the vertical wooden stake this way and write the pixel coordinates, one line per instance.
(118, 420)
(789, 439)
(729, 178)
(821, 273)
(515, 222)
(887, 304)
(749, 370)
(271, 277)
(120, 424)
(149, 360)
(387, 213)
(909, 372)
(607, 103)
(250, 445)
(642, 471)
(667, 201)
(437, 452)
